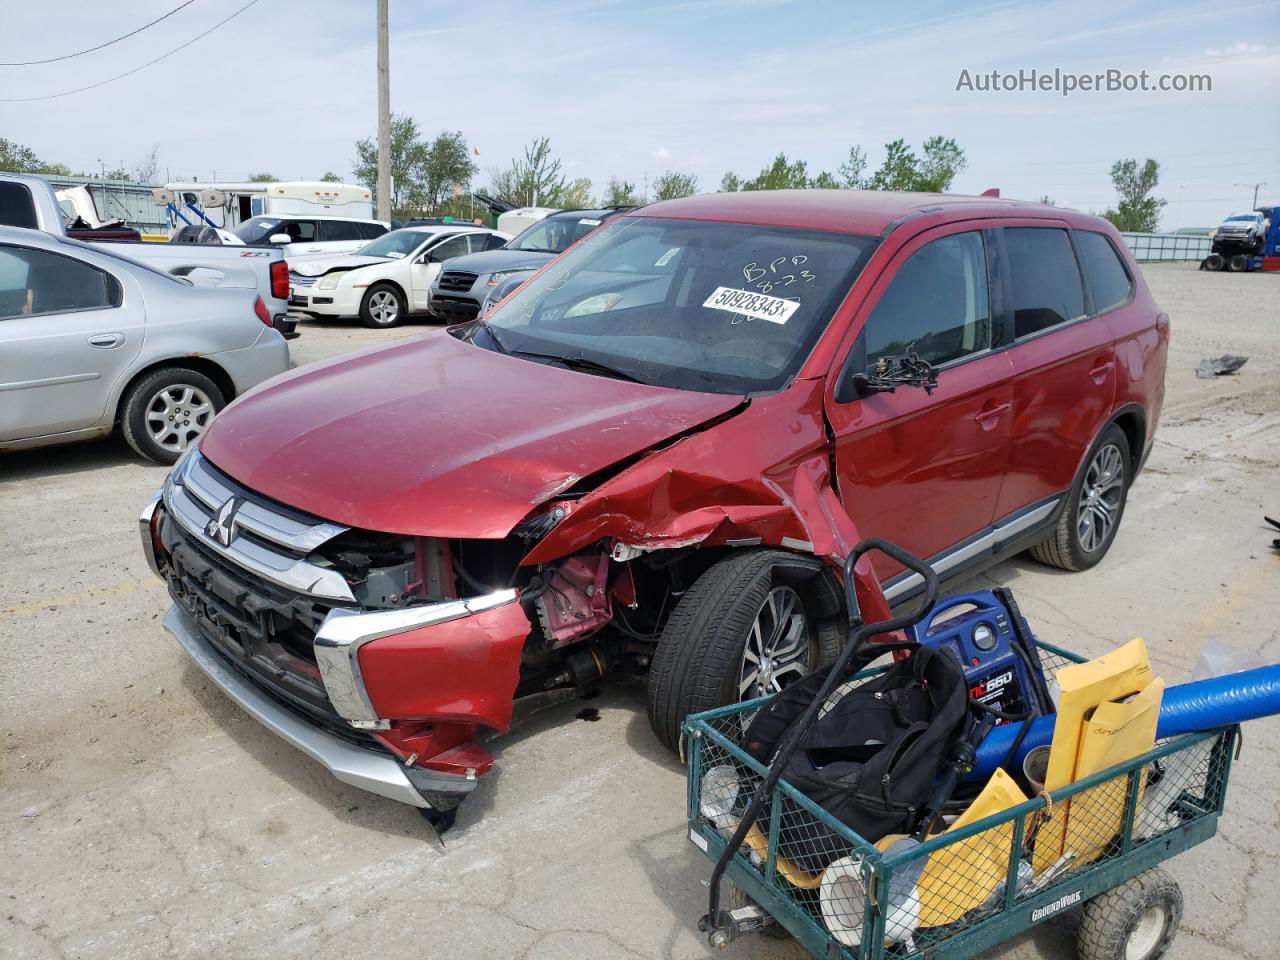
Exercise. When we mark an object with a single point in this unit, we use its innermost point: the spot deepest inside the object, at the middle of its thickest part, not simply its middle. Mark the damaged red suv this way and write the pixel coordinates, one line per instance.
(653, 458)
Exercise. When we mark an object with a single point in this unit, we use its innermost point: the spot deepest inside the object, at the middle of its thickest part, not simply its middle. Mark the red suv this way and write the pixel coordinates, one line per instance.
(653, 457)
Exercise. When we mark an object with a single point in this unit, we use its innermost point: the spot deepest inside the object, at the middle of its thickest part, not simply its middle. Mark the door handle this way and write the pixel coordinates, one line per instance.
(1100, 370)
(106, 340)
(989, 415)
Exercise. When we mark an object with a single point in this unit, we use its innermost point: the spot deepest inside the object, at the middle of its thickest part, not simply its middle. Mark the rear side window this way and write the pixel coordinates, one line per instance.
(17, 209)
(1108, 279)
(36, 281)
(371, 231)
(341, 230)
(936, 305)
(1046, 281)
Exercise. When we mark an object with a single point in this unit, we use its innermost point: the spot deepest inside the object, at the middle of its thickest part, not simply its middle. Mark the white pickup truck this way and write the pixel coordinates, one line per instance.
(30, 202)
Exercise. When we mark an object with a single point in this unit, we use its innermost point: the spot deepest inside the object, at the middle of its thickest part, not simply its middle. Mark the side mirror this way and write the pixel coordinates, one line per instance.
(279, 238)
(893, 371)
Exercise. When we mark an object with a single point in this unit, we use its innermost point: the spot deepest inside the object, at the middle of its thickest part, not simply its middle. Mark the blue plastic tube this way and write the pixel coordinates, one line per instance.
(1186, 708)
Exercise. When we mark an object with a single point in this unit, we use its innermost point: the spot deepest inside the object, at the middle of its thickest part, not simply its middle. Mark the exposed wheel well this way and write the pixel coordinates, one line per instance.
(1133, 422)
(198, 364)
(388, 283)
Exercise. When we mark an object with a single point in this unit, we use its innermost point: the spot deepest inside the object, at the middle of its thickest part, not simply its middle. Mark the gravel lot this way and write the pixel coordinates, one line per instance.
(142, 815)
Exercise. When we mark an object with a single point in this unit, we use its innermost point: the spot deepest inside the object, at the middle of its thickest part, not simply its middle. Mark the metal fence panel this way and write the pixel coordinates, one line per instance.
(1167, 246)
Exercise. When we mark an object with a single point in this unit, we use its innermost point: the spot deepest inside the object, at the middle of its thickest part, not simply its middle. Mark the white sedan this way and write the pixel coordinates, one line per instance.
(388, 278)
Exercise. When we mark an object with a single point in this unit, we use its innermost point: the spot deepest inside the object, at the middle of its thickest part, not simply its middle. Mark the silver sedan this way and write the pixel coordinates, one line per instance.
(91, 341)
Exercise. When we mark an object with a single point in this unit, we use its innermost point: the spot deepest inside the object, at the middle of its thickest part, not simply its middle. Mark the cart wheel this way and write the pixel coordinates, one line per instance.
(1135, 921)
(732, 897)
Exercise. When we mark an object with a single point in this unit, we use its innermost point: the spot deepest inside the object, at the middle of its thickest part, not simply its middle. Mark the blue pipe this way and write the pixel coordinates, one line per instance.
(1186, 708)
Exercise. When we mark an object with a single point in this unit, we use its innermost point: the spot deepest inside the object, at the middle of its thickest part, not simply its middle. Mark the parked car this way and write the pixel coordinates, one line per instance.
(1241, 233)
(31, 202)
(387, 279)
(302, 237)
(91, 341)
(654, 456)
(458, 293)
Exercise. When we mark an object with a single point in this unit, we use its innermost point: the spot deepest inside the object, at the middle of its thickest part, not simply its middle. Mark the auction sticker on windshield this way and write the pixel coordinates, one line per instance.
(759, 306)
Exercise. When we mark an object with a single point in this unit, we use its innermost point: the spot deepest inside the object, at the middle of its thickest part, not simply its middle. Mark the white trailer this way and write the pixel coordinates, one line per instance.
(227, 205)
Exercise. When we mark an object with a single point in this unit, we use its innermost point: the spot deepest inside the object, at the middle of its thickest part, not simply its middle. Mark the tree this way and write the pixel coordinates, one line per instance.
(118, 173)
(851, 170)
(1137, 211)
(730, 183)
(825, 181)
(533, 179)
(145, 170)
(330, 177)
(442, 170)
(263, 178)
(577, 194)
(781, 174)
(673, 184)
(943, 160)
(406, 154)
(15, 158)
(898, 169)
(620, 193)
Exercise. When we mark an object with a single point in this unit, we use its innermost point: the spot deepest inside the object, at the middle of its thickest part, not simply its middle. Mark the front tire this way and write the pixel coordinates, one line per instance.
(382, 307)
(744, 629)
(1095, 506)
(167, 411)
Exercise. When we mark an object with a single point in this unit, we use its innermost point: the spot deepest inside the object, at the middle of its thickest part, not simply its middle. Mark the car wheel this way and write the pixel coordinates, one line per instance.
(1095, 506)
(382, 306)
(167, 411)
(746, 628)
(1238, 263)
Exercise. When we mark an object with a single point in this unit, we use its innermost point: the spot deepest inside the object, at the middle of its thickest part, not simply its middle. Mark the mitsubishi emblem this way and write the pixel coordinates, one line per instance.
(222, 528)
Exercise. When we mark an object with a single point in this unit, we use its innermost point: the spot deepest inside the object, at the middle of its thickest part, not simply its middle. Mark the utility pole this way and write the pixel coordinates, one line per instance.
(1255, 191)
(384, 116)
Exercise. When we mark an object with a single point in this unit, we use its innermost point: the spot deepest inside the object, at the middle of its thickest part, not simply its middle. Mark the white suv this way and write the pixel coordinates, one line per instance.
(306, 236)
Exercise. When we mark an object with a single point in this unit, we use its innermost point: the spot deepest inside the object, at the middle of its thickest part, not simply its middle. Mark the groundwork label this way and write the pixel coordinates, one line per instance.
(1062, 903)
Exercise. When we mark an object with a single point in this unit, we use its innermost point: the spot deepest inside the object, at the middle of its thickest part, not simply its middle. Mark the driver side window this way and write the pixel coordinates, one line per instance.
(453, 247)
(938, 304)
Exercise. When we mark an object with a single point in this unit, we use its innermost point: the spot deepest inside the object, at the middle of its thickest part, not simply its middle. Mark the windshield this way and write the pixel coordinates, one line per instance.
(716, 307)
(554, 234)
(1250, 217)
(256, 229)
(396, 244)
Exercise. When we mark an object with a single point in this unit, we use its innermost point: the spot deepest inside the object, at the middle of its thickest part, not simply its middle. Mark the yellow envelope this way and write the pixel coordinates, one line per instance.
(1114, 676)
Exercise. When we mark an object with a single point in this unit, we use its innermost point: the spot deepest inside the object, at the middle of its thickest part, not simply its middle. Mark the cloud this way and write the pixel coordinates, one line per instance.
(662, 153)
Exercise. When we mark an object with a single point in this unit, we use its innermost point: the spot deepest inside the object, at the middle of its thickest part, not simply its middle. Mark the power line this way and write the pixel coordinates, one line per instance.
(121, 76)
(80, 53)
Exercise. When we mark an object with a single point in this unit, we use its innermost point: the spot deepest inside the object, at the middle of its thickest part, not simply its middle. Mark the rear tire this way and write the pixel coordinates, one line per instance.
(1238, 263)
(167, 411)
(382, 307)
(1100, 491)
(1134, 921)
(699, 662)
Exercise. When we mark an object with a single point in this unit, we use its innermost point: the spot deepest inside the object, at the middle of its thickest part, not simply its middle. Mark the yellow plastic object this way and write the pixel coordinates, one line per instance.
(759, 843)
(1117, 731)
(1117, 675)
(962, 876)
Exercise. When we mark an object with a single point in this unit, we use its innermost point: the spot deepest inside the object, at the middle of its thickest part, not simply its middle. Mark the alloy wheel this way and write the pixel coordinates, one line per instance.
(1100, 498)
(777, 648)
(177, 415)
(384, 308)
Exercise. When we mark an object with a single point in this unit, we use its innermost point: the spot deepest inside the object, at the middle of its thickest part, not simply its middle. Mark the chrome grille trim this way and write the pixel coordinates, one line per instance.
(298, 280)
(191, 497)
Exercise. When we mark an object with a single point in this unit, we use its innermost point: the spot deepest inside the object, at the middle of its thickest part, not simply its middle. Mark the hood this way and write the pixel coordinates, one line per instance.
(436, 437)
(493, 261)
(314, 267)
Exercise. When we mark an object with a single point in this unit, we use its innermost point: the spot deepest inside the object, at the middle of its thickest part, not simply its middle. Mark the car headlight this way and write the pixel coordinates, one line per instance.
(329, 281)
(497, 278)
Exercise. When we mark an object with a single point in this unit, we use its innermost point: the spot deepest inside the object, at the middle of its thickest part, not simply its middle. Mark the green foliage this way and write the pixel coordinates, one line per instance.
(825, 181)
(263, 178)
(781, 174)
(577, 194)
(425, 175)
(621, 193)
(730, 183)
(897, 171)
(16, 158)
(851, 170)
(673, 184)
(1137, 211)
(532, 179)
(330, 177)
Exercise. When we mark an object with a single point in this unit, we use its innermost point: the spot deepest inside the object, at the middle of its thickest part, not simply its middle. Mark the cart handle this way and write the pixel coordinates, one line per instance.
(860, 633)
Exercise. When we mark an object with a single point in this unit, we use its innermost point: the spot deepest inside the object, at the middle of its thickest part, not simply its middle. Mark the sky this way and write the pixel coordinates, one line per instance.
(631, 89)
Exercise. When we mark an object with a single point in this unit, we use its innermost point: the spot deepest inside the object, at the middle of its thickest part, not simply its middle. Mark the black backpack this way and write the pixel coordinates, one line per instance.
(872, 760)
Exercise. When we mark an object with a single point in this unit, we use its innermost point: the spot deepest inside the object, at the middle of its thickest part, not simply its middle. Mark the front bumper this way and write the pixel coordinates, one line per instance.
(455, 307)
(326, 303)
